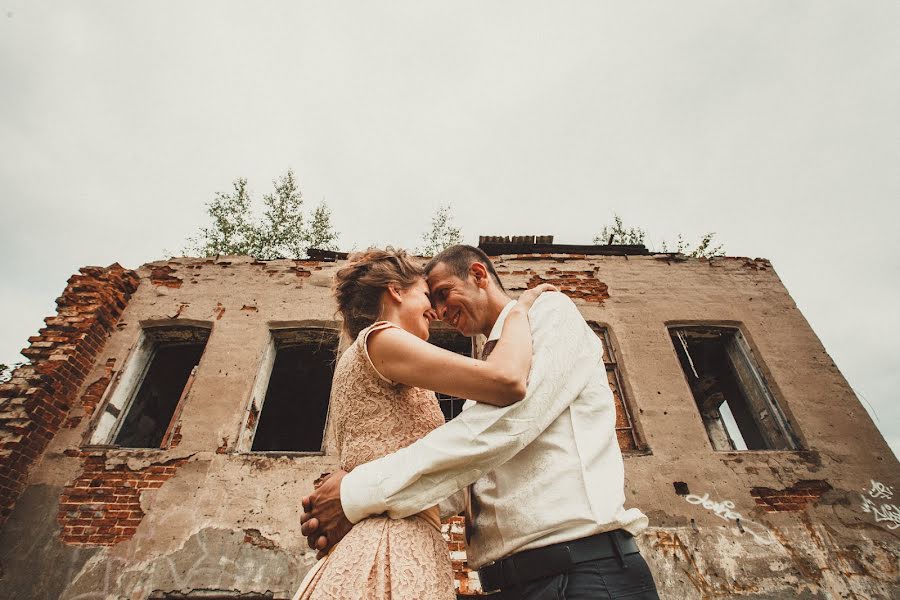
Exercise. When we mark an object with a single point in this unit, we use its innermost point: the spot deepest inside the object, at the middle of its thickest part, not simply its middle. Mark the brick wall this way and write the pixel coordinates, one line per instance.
(34, 403)
(102, 506)
(466, 581)
(792, 498)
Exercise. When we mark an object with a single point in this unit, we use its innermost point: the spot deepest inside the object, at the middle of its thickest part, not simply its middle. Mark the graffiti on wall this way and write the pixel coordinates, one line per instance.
(886, 513)
(725, 511)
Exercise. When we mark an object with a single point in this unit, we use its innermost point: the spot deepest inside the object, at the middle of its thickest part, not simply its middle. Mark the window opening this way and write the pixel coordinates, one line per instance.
(152, 389)
(294, 410)
(625, 430)
(734, 401)
(452, 340)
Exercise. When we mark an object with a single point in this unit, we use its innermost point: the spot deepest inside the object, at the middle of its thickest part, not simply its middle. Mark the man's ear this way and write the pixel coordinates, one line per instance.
(480, 273)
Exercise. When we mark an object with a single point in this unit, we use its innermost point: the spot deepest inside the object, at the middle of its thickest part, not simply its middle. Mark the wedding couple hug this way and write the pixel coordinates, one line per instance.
(532, 460)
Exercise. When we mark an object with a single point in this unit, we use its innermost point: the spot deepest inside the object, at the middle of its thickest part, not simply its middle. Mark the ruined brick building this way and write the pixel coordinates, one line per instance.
(153, 446)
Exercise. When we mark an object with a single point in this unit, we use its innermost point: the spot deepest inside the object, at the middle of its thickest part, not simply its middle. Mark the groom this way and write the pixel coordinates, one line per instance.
(545, 512)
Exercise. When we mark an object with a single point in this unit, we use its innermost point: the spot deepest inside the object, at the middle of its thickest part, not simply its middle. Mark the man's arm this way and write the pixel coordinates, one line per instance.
(453, 504)
(566, 355)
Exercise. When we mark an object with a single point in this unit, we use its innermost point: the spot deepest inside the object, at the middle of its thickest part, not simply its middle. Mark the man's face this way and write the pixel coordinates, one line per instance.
(458, 302)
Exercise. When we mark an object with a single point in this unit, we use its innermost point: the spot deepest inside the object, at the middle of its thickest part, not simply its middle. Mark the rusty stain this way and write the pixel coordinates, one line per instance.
(803, 564)
(671, 542)
(252, 417)
(180, 310)
(249, 308)
(219, 310)
(223, 447)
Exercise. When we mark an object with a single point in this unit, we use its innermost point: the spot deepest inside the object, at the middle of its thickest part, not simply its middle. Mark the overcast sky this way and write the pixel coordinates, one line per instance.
(774, 124)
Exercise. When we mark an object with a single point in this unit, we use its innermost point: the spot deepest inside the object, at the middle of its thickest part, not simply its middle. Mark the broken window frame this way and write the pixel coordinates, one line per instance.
(282, 335)
(613, 366)
(118, 399)
(781, 436)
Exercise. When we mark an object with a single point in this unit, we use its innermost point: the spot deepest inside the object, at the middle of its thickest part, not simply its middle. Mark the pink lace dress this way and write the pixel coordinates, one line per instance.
(381, 558)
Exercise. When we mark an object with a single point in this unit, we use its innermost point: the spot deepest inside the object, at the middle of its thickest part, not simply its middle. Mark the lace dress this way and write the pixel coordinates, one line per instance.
(381, 558)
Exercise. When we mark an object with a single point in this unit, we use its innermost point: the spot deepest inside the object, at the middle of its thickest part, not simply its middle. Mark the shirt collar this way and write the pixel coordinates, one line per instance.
(498, 324)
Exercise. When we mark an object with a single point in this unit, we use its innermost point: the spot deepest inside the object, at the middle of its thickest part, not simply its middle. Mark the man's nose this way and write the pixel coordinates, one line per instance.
(436, 308)
(432, 314)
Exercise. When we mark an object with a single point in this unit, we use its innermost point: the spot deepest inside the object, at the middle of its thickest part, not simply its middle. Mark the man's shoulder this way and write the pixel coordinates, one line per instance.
(550, 302)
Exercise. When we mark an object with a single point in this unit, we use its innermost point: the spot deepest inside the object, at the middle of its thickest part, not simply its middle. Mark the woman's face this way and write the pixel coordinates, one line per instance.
(416, 313)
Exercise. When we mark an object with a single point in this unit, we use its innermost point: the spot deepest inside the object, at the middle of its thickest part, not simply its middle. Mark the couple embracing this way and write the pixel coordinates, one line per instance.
(532, 460)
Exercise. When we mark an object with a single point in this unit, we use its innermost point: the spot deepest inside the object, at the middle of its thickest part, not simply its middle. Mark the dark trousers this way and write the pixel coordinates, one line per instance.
(605, 578)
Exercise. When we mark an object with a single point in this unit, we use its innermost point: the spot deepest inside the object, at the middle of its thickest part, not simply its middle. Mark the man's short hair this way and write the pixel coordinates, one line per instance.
(459, 258)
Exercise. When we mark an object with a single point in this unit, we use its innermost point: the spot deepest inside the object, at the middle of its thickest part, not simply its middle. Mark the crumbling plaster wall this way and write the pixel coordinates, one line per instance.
(230, 521)
(824, 544)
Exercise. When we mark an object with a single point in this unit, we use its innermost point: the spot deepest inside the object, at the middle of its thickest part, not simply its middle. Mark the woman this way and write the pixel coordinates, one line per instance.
(383, 399)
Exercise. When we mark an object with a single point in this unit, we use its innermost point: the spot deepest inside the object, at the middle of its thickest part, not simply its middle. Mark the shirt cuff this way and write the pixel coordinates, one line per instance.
(359, 496)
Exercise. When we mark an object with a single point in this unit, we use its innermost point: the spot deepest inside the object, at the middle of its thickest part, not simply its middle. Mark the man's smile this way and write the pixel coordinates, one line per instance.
(453, 319)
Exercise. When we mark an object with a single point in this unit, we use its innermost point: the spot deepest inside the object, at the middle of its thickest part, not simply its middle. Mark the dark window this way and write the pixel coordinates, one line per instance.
(737, 407)
(171, 355)
(451, 340)
(154, 404)
(292, 416)
(625, 431)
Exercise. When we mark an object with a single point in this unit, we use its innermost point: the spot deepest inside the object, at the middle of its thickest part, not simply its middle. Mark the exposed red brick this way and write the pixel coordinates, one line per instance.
(102, 506)
(575, 284)
(453, 532)
(163, 276)
(92, 394)
(35, 405)
(790, 499)
(176, 436)
(253, 536)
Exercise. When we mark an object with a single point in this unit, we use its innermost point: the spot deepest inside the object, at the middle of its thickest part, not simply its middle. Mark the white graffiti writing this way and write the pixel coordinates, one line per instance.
(725, 511)
(879, 490)
(722, 509)
(884, 513)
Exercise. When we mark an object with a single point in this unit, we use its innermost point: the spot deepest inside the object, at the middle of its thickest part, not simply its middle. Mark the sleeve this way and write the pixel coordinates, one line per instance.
(566, 355)
(452, 505)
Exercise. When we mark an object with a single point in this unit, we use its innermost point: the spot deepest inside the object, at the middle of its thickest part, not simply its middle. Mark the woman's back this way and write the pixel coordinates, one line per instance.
(381, 558)
(371, 416)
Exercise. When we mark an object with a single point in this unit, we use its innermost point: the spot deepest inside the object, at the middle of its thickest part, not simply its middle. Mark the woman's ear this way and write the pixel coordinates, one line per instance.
(393, 292)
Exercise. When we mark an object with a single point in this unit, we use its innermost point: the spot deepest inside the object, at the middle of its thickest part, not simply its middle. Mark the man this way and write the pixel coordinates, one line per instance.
(545, 512)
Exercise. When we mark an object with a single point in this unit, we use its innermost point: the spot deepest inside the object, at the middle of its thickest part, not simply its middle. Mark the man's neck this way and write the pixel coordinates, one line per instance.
(496, 301)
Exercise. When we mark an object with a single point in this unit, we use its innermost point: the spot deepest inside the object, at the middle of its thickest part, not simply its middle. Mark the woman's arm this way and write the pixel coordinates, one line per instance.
(501, 380)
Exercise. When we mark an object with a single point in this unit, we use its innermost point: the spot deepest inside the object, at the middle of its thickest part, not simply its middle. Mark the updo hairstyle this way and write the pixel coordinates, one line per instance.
(358, 285)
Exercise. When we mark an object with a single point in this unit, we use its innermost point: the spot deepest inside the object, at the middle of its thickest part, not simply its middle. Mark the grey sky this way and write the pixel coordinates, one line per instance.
(774, 124)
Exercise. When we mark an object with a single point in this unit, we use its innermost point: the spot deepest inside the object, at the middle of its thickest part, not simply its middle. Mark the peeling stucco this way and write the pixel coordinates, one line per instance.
(767, 524)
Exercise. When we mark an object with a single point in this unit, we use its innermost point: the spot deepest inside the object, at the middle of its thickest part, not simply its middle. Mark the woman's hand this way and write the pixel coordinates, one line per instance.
(526, 300)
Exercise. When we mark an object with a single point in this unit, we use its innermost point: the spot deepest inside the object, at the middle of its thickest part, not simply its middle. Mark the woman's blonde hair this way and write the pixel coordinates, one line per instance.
(359, 285)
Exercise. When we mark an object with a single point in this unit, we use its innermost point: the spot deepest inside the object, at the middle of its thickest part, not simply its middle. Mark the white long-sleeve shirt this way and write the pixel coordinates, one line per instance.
(548, 468)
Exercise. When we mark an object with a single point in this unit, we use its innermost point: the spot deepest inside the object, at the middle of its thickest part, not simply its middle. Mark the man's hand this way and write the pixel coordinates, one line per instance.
(323, 522)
